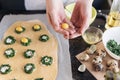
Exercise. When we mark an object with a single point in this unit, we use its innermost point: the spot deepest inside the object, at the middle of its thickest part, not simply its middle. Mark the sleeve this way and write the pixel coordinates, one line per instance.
(35, 4)
(12, 5)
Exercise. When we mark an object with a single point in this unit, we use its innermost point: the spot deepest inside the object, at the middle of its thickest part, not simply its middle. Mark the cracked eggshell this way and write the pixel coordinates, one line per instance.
(92, 49)
(82, 68)
(84, 57)
(116, 69)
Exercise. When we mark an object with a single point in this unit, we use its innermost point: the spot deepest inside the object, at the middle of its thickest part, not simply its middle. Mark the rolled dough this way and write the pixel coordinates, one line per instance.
(17, 63)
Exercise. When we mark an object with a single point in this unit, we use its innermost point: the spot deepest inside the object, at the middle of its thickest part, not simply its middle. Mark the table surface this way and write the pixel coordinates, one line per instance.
(77, 45)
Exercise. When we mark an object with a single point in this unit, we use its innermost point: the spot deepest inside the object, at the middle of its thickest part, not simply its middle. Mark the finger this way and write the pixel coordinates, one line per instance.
(69, 22)
(66, 37)
(84, 25)
(49, 18)
(75, 17)
(54, 21)
(56, 25)
(63, 32)
(85, 19)
(71, 28)
(71, 31)
(75, 35)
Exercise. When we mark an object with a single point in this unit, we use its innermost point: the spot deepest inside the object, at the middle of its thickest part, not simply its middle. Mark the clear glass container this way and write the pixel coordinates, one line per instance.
(113, 18)
(92, 35)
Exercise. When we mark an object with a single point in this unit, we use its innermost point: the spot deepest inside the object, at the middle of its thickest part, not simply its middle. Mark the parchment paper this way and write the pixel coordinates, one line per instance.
(64, 69)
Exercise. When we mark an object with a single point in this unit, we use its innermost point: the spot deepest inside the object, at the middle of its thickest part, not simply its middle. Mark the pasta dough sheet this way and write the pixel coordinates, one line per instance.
(49, 48)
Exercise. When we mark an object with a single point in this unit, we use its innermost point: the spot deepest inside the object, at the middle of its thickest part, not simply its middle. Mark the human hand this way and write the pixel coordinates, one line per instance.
(56, 16)
(81, 16)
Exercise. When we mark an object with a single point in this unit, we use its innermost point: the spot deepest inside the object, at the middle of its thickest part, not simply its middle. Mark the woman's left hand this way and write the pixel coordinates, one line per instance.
(81, 16)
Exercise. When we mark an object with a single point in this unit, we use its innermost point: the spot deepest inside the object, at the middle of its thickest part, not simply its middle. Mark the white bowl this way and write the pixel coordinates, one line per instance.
(111, 34)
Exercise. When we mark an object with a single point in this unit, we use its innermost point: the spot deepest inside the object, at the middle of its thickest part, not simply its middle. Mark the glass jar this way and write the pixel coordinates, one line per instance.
(113, 19)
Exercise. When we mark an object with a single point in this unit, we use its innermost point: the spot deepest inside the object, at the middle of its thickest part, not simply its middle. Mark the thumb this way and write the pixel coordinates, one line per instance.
(84, 24)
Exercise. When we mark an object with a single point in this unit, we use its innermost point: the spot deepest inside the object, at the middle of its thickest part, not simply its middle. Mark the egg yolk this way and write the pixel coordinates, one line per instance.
(24, 40)
(19, 29)
(36, 26)
(65, 26)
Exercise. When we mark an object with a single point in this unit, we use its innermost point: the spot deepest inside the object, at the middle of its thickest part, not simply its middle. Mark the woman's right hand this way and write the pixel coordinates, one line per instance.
(56, 16)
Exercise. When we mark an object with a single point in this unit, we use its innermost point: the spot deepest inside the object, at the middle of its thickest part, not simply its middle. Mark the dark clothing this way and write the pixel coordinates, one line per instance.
(12, 4)
(20, 4)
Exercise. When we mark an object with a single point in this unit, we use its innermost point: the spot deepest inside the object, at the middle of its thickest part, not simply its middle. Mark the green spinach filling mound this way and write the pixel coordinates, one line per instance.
(114, 47)
(9, 40)
(25, 41)
(29, 68)
(29, 53)
(5, 69)
(44, 38)
(36, 27)
(39, 79)
(19, 29)
(9, 53)
(47, 60)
